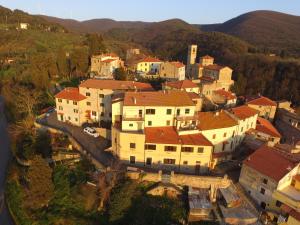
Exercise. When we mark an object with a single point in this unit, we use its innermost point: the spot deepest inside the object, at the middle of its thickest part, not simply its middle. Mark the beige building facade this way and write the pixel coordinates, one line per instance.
(266, 107)
(103, 66)
(172, 70)
(95, 97)
(269, 176)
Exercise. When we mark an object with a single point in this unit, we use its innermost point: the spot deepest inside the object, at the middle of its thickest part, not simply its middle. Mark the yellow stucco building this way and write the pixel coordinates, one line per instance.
(165, 130)
(265, 106)
(159, 130)
(148, 65)
(172, 70)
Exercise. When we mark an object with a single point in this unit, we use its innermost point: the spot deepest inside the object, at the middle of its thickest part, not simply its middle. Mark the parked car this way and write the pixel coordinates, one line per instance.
(50, 111)
(91, 131)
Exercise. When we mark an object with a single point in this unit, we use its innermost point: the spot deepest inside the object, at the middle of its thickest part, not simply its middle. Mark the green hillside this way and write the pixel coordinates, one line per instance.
(272, 31)
(38, 58)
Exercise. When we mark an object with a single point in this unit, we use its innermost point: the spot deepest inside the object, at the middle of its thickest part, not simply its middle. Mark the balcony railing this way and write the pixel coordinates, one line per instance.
(133, 117)
(186, 118)
(187, 127)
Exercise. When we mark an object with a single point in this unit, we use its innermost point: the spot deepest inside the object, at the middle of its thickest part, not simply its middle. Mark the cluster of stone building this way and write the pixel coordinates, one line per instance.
(165, 128)
(212, 80)
(169, 128)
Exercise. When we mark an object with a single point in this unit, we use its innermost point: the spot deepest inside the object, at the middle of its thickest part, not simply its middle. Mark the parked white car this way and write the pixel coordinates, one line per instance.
(91, 131)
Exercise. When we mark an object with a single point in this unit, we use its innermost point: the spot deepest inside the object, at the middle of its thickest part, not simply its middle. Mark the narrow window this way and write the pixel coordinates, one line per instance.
(132, 145)
(200, 150)
(132, 159)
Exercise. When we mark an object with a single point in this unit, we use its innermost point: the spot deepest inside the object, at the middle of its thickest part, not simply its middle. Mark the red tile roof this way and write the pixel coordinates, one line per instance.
(215, 120)
(70, 93)
(269, 162)
(265, 126)
(178, 64)
(297, 177)
(168, 135)
(214, 67)
(207, 79)
(264, 101)
(291, 212)
(158, 98)
(227, 94)
(108, 60)
(150, 59)
(181, 84)
(193, 95)
(115, 85)
(110, 54)
(243, 112)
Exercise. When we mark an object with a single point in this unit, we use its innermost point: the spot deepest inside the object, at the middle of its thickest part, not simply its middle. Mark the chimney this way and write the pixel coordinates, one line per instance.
(134, 100)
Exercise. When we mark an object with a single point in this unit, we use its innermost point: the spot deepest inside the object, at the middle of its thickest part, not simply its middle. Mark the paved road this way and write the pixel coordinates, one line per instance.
(5, 156)
(94, 146)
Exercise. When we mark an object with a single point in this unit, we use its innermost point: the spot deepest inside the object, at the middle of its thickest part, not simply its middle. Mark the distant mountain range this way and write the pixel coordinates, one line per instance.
(94, 25)
(274, 31)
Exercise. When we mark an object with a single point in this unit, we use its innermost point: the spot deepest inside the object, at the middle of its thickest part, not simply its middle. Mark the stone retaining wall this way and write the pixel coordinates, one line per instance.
(181, 179)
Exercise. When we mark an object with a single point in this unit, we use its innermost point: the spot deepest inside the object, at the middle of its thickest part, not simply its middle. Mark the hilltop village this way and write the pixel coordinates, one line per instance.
(190, 131)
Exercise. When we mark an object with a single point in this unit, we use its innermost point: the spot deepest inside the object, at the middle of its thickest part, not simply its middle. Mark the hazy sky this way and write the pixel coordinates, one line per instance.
(193, 11)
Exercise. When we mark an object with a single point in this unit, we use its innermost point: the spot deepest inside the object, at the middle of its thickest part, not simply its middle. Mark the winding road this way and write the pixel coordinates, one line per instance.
(5, 156)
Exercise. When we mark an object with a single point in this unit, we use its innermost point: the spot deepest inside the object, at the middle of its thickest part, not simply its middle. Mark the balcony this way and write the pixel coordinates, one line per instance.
(133, 118)
(289, 196)
(187, 129)
(186, 118)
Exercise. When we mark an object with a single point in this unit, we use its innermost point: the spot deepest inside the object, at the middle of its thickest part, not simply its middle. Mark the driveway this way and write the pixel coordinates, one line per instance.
(5, 156)
(94, 146)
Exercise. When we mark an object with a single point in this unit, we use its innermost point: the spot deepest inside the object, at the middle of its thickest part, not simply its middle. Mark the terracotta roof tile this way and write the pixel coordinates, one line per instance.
(262, 101)
(266, 160)
(178, 64)
(207, 79)
(115, 85)
(168, 135)
(193, 95)
(227, 94)
(181, 84)
(215, 120)
(108, 60)
(159, 98)
(150, 59)
(265, 126)
(70, 93)
(243, 112)
(297, 177)
(214, 67)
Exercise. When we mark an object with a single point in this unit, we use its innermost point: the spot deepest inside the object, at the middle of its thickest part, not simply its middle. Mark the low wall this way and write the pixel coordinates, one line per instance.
(76, 144)
(105, 133)
(181, 179)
